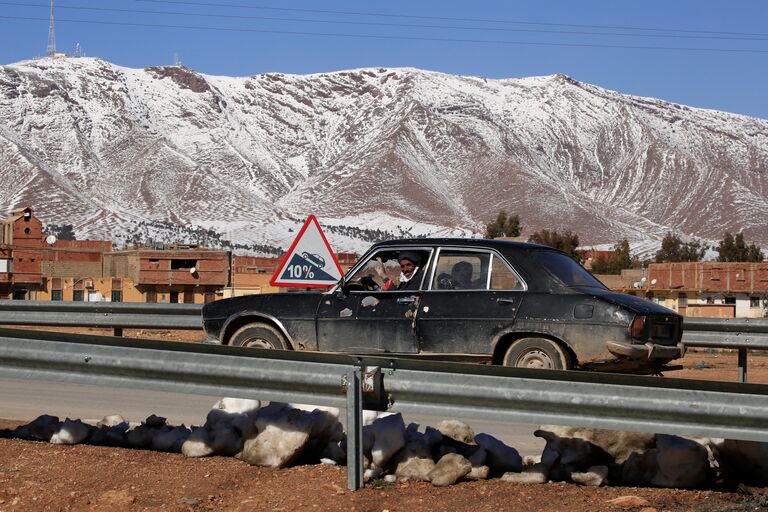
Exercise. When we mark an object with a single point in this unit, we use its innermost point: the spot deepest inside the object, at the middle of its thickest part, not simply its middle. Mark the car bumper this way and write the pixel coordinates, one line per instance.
(211, 340)
(648, 351)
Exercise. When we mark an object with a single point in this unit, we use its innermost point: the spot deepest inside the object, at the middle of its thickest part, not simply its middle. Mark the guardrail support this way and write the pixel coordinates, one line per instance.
(742, 365)
(354, 429)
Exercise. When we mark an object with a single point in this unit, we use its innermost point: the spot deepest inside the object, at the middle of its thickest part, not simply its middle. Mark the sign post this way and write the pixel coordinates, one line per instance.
(310, 262)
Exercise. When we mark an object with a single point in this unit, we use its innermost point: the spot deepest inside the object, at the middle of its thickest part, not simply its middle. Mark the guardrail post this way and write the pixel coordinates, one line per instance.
(354, 429)
(742, 365)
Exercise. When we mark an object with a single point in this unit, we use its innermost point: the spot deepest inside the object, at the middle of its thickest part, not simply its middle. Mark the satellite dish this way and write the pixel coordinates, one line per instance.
(642, 280)
(653, 281)
(193, 270)
(50, 239)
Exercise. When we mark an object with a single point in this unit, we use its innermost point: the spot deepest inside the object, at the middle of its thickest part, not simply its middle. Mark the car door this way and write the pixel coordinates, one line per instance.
(460, 315)
(369, 320)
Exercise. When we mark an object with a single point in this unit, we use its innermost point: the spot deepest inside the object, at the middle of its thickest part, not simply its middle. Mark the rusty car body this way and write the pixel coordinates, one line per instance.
(493, 301)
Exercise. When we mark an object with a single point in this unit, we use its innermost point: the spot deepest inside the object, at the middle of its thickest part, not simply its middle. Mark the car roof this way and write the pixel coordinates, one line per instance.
(494, 243)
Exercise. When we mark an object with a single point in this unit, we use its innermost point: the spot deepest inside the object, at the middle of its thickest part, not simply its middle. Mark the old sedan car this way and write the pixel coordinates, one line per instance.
(493, 301)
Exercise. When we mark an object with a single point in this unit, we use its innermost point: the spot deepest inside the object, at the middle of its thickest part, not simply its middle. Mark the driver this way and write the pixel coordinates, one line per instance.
(410, 273)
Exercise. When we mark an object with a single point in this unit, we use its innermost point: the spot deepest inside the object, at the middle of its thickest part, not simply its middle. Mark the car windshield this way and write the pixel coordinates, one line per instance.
(566, 269)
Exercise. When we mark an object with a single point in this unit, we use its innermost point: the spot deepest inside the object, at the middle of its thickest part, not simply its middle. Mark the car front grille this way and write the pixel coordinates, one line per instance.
(663, 329)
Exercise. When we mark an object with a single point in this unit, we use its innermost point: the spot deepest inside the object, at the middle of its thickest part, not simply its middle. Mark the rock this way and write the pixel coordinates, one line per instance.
(628, 501)
(478, 473)
(71, 432)
(743, 461)
(279, 441)
(619, 444)
(457, 430)
(593, 477)
(42, 428)
(237, 406)
(170, 439)
(112, 420)
(154, 421)
(499, 457)
(140, 437)
(388, 434)
(197, 444)
(526, 477)
(326, 424)
(563, 456)
(449, 470)
(372, 474)
(681, 462)
(415, 469)
(639, 469)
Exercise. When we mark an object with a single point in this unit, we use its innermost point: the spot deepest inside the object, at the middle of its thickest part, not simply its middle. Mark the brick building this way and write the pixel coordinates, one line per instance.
(185, 273)
(700, 289)
(20, 255)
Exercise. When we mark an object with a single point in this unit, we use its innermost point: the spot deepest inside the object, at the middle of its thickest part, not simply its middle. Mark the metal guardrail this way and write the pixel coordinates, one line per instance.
(742, 334)
(116, 315)
(648, 404)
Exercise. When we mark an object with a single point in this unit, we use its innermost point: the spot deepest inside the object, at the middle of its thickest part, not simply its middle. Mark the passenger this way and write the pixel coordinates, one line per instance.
(461, 275)
(410, 273)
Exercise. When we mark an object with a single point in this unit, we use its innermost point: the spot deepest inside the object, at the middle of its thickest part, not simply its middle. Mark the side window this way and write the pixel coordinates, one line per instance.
(386, 271)
(502, 278)
(461, 270)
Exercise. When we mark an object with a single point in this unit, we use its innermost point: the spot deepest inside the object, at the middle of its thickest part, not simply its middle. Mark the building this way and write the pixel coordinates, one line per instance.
(700, 289)
(20, 255)
(182, 273)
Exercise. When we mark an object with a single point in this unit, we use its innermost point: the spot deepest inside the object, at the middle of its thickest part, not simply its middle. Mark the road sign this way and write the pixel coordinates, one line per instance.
(310, 262)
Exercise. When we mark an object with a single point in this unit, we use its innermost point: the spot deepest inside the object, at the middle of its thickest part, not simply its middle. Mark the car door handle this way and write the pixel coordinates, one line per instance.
(506, 301)
(406, 300)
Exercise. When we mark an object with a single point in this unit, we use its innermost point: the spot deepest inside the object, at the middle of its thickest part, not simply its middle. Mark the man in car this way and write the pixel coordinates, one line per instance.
(410, 273)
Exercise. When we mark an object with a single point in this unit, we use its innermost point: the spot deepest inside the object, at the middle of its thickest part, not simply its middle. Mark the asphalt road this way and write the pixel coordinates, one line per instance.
(25, 400)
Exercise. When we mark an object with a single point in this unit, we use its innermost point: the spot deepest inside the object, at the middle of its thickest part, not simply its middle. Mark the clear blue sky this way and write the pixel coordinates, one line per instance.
(250, 43)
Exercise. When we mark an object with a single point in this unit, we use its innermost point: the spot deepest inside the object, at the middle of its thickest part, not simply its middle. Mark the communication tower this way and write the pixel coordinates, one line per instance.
(51, 36)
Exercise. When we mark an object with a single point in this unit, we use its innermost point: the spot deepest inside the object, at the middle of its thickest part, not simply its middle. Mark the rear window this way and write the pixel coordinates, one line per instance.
(566, 269)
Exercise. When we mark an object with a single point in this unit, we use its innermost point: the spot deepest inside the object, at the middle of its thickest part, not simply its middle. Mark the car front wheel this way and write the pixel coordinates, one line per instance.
(259, 335)
(539, 353)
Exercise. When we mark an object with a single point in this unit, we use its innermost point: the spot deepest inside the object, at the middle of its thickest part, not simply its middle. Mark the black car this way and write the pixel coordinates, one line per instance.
(493, 301)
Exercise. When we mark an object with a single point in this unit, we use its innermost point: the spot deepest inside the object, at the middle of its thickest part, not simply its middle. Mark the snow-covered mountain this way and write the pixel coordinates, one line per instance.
(170, 153)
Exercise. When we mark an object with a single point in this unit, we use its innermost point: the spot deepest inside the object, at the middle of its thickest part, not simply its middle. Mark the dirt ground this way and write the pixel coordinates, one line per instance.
(41, 476)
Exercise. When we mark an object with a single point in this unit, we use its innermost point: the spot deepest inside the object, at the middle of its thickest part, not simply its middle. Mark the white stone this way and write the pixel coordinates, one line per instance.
(526, 477)
(456, 430)
(71, 432)
(197, 444)
(449, 469)
(388, 434)
(279, 441)
(592, 477)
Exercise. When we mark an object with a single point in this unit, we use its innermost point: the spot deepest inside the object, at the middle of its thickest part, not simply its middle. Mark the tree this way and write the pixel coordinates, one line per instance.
(566, 242)
(503, 226)
(735, 248)
(63, 232)
(616, 262)
(674, 250)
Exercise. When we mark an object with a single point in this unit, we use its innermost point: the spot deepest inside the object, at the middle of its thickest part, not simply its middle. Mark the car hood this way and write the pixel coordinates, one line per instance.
(638, 305)
(265, 302)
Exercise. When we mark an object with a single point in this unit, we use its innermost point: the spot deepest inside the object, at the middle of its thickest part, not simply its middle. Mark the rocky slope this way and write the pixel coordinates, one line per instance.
(168, 153)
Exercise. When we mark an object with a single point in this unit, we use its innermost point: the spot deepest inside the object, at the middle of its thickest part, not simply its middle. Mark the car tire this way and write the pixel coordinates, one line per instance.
(537, 353)
(259, 335)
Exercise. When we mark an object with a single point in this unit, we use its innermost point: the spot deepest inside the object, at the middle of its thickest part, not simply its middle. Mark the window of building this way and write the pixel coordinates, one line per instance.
(189, 295)
(754, 302)
(730, 300)
(117, 296)
(682, 300)
(209, 297)
(150, 296)
(5, 265)
(174, 297)
(183, 264)
(661, 299)
(56, 295)
(77, 296)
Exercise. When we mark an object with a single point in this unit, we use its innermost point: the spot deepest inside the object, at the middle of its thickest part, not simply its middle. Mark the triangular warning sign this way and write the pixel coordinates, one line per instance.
(310, 262)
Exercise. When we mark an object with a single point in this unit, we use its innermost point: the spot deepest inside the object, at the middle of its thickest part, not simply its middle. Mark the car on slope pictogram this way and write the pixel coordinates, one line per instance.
(314, 259)
(491, 301)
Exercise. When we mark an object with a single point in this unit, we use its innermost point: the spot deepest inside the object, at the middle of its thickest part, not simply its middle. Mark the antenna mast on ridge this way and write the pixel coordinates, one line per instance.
(51, 36)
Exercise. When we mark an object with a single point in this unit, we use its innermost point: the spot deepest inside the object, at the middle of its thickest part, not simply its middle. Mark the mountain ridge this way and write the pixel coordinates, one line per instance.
(408, 151)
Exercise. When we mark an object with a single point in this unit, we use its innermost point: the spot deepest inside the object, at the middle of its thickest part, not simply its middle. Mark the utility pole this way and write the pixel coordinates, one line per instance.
(51, 52)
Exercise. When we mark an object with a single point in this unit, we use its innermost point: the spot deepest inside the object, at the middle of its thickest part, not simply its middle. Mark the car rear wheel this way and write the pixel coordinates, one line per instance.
(259, 335)
(539, 353)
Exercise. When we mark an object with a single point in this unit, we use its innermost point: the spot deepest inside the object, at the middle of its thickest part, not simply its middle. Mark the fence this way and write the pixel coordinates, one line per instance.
(648, 404)
(735, 333)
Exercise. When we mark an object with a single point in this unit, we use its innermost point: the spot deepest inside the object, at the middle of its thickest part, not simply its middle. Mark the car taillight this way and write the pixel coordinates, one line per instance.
(637, 327)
